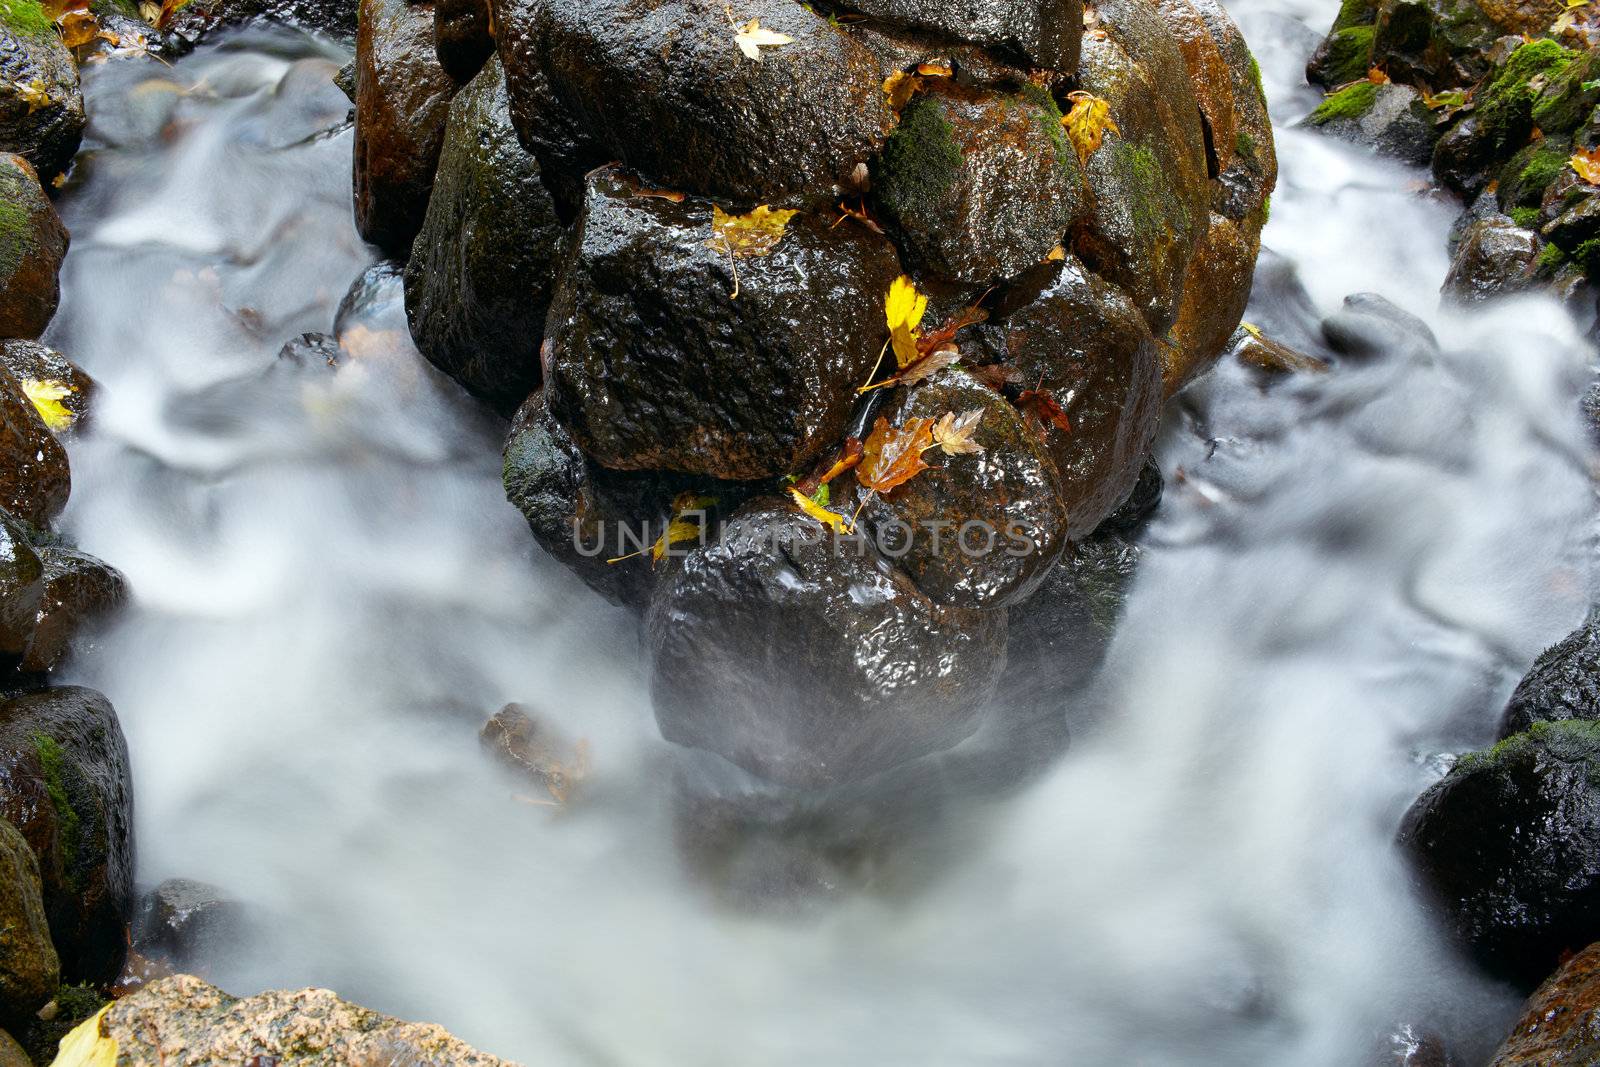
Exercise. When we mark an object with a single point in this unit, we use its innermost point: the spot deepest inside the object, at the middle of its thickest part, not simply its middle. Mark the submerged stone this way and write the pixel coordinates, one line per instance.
(1560, 1023)
(187, 924)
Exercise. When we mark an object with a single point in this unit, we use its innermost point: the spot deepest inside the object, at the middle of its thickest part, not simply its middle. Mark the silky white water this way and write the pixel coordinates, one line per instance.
(1346, 576)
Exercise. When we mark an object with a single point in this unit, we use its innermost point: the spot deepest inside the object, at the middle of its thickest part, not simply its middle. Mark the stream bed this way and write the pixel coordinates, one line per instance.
(1346, 577)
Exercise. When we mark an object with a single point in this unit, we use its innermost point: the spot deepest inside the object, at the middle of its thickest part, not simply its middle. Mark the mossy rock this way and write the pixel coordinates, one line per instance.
(44, 131)
(1531, 171)
(1506, 103)
(1351, 102)
(41, 1038)
(29, 969)
(32, 245)
(1569, 98)
(1343, 57)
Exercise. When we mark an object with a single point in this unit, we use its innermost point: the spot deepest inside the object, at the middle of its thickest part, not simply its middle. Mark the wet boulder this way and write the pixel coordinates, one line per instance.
(79, 590)
(65, 784)
(1502, 117)
(34, 477)
(976, 530)
(41, 106)
(811, 661)
(186, 924)
(1442, 43)
(1149, 190)
(29, 360)
(1036, 34)
(979, 186)
(1215, 294)
(653, 363)
(1495, 257)
(194, 20)
(482, 270)
(29, 970)
(1390, 119)
(183, 1022)
(661, 85)
(21, 591)
(1370, 326)
(1507, 846)
(32, 245)
(1560, 1023)
(1563, 683)
(402, 98)
(1082, 341)
(461, 38)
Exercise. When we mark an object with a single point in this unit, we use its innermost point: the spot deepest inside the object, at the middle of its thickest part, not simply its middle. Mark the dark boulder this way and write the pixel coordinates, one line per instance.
(1368, 325)
(29, 970)
(79, 590)
(1082, 340)
(1215, 293)
(187, 924)
(1495, 257)
(482, 270)
(21, 591)
(32, 245)
(1560, 1023)
(34, 477)
(25, 360)
(810, 661)
(1442, 43)
(976, 530)
(1150, 196)
(374, 289)
(461, 37)
(65, 783)
(662, 87)
(41, 106)
(194, 20)
(652, 363)
(402, 97)
(1039, 34)
(979, 186)
(1389, 119)
(1563, 683)
(1507, 846)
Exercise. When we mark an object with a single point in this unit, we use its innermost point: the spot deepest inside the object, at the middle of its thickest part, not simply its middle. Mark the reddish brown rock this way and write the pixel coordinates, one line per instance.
(34, 477)
(32, 245)
(1560, 1023)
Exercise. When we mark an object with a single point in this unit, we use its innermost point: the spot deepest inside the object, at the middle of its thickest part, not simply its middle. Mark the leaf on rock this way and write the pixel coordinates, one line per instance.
(46, 396)
(892, 455)
(1376, 76)
(902, 85)
(755, 233)
(751, 39)
(833, 520)
(953, 433)
(34, 93)
(1587, 165)
(85, 1047)
(849, 455)
(688, 520)
(1040, 411)
(903, 308)
(997, 375)
(1088, 122)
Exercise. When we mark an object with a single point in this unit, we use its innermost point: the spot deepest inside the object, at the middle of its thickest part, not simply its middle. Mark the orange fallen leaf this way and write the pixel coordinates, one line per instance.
(1040, 411)
(1088, 122)
(892, 455)
(1587, 165)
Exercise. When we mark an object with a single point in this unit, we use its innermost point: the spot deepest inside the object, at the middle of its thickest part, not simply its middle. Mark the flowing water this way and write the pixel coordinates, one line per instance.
(1347, 575)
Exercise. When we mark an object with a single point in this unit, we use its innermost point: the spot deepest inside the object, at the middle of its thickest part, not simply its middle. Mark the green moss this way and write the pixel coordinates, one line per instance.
(919, 161)
(1148, 191)
(14, 229)
(1568, 98)
(1569, 740)
(52, 761)
(74, 1003)
(1350, 102)
(1049, 117)
(1266, 209)
(25, 17)
(1550, 259)
(1348, 55)
(1244, 145)
(1529, 173)
(1526, 217)
(1505, 110)
(1355, 13)
(1587, 256)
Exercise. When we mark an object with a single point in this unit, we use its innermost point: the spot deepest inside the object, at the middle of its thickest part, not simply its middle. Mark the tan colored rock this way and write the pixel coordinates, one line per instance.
(183, 1022)
(11, 1054)
(1560, 1023)
(29, 970)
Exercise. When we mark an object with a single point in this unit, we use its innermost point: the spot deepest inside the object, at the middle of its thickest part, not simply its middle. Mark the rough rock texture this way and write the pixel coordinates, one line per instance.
(402, 97)
(11, 1053)
(461, 37)
(29, 970)
(652, 364)
(34, 478)
(979, 186)
(1560, 1024)
(808, 665)
(44, 133)
(661, 86)
(197, 19)
(32, 245)
(29, 359)
(65, 783)
(1563, 683)
(21, 591)
(183, 1022)
(1495, 256)
(185, 923)
(1390, 119)
(980, 530)
(78, 590)
(1041, 34)
(481, 273)
(1507, 845)
(1084, 342)
(1151, 201)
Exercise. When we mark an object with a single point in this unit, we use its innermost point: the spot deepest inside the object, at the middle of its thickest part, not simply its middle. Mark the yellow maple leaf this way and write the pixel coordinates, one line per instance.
(47, 395)
(688, 515)
(903, 308)
(836, 522)
(751, 39)
(34, 93)
(1587, 165)
(755, 233)
(84, 1047)
(1087, 123)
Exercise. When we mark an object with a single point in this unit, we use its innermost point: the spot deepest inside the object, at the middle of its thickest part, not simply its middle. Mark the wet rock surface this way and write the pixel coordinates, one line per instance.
(1390, 119)
(183, 1022)
(653, 364)
(809, 666)
(186, 924)
(32, 245)
(29, 970)
(1495, 256)
(481, 272)
(402, 98)
(21, 590)
(1507, 847)
(65, 784)
(41, 107)
(1560, 1024)
(198, 19)
(1039, 34)
(79, 591)
(1563, 683)
(34, 477)
(23, 359)
(462, 38)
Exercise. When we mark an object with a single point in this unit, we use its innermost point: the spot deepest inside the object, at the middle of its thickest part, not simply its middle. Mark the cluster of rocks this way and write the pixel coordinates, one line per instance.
(553, 176)
(1498, 99)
